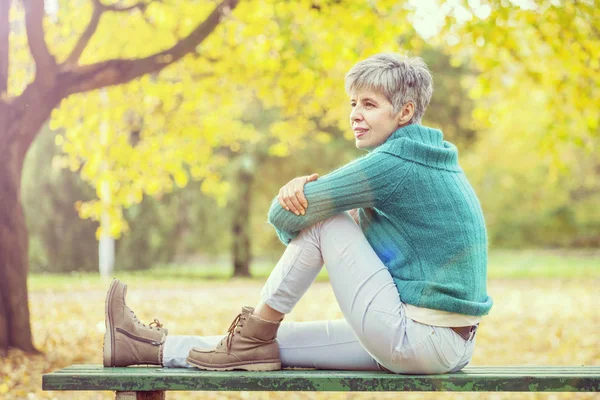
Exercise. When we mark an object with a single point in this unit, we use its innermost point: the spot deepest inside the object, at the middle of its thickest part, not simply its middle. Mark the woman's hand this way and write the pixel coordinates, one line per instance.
(291, 196)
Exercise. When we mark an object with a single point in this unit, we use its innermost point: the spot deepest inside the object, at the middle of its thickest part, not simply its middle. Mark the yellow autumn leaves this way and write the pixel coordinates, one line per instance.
(271, 76)
(159, 131)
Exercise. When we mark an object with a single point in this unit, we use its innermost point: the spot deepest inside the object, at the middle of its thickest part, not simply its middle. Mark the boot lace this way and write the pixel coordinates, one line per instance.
(152, 325)
(155, 323)
(236, 322)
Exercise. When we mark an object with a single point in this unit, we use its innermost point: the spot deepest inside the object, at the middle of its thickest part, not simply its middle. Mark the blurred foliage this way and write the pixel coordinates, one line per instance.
(187, 221)
(451, 107)
(538, 69)
(516, 88)
(69, 327)
(59, 241)
(155, 133)
(172, 226)
(536, 164)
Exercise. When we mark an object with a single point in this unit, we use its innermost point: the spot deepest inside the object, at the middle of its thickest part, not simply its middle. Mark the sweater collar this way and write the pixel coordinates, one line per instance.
(419, 133)
(422, 145)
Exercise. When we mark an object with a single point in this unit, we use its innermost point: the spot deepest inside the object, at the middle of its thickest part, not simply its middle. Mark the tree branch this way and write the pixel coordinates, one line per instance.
(581, 193)
(86, 35)
(4, 32)
(99, 8)
(119, 71)
(140, 5)
(45, 64)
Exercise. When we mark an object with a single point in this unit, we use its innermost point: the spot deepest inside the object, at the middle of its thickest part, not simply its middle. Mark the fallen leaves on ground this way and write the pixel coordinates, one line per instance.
(533, 322)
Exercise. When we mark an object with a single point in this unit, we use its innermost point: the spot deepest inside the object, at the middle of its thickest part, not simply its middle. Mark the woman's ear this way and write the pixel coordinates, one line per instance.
(406, 113)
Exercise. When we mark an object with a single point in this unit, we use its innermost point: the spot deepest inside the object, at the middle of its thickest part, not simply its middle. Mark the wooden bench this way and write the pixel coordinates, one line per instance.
(151, 383)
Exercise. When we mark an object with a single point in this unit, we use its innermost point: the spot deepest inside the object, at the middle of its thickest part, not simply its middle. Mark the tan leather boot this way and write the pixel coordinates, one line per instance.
(127, 341)
(250, 345)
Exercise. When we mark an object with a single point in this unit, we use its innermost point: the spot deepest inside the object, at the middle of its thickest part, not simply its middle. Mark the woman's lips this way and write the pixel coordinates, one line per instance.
(358, 133)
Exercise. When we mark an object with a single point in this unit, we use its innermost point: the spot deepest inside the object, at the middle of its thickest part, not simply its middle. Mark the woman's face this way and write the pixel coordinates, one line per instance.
(371, 118)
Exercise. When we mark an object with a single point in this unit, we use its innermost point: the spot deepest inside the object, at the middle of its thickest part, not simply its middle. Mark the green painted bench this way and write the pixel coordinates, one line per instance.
(151, 383)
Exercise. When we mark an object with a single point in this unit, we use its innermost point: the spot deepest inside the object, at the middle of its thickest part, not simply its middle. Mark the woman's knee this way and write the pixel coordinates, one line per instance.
(341, 221)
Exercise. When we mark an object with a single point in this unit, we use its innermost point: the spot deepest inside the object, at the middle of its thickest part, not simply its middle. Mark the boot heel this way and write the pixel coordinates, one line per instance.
(263, 367)
(107, 346)
(106, 349)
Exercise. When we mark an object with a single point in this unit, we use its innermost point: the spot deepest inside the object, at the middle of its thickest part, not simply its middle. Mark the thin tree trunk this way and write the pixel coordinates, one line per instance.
(242, 252)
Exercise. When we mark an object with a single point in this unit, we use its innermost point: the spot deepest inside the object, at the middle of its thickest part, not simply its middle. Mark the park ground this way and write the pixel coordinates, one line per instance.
(545, 313)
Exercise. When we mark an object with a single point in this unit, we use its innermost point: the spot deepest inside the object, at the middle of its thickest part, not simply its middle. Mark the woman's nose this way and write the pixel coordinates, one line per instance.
(355, 115)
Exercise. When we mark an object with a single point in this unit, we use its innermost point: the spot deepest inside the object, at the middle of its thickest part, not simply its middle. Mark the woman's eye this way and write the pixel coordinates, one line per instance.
(369, 105)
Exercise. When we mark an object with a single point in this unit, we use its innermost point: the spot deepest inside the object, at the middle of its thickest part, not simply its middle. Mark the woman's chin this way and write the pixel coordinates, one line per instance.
(361, 144)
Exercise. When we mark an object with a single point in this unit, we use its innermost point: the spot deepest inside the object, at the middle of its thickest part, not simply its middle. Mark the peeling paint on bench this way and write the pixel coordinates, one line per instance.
(470, 379)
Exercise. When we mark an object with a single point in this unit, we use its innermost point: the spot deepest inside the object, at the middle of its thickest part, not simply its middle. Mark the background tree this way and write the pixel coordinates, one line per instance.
(28, 103)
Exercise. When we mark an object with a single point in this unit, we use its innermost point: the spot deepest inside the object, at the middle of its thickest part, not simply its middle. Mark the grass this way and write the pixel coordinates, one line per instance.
(503, 264)
(529, 264)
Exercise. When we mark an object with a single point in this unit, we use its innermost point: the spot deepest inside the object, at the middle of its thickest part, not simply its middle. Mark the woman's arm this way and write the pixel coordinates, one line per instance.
(366, 182)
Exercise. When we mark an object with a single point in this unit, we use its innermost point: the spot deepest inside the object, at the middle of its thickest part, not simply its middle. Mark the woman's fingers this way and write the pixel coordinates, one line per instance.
(285, 199)
(301, 198)
(312, 177)
(280, 199)
(300, 189)
(291, 196)
(292, 202)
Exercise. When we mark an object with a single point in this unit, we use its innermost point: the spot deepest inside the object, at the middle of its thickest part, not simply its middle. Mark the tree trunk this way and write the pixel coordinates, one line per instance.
(15, 329)
(20, 122)
(242, 255)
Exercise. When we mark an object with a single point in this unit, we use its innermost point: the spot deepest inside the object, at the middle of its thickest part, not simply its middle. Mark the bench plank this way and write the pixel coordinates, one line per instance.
(484, 378)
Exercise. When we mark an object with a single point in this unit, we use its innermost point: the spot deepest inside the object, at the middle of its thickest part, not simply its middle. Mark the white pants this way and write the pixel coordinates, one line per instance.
(375, 329)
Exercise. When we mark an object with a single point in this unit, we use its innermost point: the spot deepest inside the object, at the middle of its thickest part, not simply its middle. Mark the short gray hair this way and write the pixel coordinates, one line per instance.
(399, 78)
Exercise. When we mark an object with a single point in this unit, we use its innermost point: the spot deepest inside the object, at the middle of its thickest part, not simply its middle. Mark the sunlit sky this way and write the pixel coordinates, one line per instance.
(429, 14)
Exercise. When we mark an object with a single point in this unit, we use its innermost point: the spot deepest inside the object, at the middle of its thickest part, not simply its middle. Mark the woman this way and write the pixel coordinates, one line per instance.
(407, 262)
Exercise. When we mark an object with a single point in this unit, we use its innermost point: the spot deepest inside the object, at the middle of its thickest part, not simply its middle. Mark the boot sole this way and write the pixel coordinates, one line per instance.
(264, 366)
(107, 348)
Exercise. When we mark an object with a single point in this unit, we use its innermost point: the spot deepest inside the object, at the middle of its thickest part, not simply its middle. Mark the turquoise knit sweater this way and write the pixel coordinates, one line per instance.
(418, 212)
